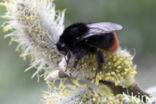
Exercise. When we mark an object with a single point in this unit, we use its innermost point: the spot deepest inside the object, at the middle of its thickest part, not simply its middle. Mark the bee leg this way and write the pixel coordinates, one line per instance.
(67, 61)
(100, 61)
(77, 59)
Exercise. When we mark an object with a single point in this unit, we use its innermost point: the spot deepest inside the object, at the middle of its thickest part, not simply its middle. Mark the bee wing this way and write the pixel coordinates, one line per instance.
(101, 28)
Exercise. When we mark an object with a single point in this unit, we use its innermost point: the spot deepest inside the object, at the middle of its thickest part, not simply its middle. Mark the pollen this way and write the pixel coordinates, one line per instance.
(118, 67)
(2, 4)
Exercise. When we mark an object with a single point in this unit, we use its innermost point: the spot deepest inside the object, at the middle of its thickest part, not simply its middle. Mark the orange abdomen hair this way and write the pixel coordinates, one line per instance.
(115, 44)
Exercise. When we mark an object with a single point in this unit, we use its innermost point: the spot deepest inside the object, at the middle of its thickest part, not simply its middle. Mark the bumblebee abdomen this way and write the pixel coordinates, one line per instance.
(115, 43)
(102, 41)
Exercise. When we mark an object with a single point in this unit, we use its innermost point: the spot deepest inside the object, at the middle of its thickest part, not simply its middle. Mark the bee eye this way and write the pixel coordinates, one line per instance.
(62, 48)
(62, 45)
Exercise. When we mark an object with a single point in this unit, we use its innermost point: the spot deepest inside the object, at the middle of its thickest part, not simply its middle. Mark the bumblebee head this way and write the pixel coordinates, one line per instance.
(62, 48)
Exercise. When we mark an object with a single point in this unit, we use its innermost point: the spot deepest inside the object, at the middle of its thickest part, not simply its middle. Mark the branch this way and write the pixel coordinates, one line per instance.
(133, 90)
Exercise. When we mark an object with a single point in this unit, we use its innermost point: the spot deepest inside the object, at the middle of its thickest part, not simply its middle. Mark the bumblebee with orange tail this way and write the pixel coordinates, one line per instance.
(81, 39)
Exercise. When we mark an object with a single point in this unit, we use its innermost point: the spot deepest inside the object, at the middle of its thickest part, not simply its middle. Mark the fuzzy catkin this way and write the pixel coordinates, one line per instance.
(36, 26)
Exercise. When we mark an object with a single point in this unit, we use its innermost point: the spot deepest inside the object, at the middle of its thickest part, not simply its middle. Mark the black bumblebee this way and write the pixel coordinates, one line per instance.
(81, 39)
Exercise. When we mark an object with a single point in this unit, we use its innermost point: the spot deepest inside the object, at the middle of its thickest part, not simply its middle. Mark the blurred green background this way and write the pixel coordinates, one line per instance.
(138, 18)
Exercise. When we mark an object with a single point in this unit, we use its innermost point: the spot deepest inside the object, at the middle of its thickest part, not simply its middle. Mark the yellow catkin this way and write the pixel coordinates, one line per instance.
(116, 68)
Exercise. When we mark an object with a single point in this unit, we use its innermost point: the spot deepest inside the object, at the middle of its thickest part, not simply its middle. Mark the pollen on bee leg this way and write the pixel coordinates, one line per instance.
(62, 74)
(56, 75)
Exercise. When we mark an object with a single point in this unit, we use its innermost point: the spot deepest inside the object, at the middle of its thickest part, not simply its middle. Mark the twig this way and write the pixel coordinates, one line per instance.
(133, 90)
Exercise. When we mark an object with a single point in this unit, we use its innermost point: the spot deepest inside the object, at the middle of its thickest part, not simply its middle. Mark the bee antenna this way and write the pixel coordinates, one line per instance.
(65, 59)
(66, 56)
